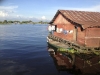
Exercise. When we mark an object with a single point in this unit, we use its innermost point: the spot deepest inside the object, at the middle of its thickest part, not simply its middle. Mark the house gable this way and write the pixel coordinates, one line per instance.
(61, 20)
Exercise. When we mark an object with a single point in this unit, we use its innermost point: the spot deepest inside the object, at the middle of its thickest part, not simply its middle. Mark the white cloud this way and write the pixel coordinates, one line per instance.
(31, 17)
(96, 8)
(8, 7)
(3, 14)
(9, 13)
(6, 11)
(93, 8)
(43, 17)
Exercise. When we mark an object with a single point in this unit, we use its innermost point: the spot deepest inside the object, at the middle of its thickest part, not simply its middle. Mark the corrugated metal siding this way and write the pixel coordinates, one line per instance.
(93, 32)
(92, 42)
(89, 36)
(81, 36)
(61, 22)
(66, 37)
(81, 15)
(92, 38)
(84, 18)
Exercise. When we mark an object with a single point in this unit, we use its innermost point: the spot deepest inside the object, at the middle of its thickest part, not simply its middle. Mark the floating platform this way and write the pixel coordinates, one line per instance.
(72, 47)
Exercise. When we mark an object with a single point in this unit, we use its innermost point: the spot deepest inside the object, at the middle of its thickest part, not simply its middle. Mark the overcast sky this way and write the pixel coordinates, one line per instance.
(42, 9)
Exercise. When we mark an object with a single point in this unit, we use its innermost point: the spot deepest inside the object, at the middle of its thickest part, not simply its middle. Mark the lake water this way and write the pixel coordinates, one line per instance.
(23, 51)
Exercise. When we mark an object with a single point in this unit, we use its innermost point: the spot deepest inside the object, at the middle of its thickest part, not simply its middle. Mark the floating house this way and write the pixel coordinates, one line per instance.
(77, 28)
(77, 31)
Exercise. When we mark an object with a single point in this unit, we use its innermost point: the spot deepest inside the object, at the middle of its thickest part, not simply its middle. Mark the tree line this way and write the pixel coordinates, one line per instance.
(22, 22)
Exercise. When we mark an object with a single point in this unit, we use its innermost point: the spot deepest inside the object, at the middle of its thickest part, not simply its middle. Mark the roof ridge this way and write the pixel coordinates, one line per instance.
(79, 11)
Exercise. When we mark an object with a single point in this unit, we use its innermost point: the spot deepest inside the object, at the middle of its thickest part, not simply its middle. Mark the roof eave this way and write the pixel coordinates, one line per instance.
(54, 17)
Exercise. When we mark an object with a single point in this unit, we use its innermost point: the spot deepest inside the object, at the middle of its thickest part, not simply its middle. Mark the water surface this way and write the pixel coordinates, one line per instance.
(23, 51)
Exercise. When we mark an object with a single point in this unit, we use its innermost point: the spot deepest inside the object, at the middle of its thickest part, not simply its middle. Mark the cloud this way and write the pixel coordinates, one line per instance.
(3, 14)
(8, 7)
(92, 8)
(43, 17)
(6, 11)
(96, 8)
(9, 13)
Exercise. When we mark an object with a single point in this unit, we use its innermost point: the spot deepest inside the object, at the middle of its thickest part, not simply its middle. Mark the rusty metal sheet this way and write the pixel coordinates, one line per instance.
(84, 18)
(93, 33)
(92, 42)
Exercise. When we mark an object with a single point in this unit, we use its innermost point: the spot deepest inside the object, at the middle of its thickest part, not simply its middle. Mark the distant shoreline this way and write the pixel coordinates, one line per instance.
(22, 22)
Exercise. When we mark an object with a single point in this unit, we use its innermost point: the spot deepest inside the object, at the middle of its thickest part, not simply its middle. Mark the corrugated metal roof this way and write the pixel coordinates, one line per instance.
(84, 18)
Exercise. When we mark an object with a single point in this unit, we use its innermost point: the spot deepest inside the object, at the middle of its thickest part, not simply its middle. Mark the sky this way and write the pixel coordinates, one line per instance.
(42, 10)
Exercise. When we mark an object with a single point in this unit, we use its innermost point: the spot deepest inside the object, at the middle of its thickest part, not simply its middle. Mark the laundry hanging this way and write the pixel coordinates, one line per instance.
(60, 30)
(50, 28)
(53, 27)
(65, 31)
(57, 30)
(71, 31)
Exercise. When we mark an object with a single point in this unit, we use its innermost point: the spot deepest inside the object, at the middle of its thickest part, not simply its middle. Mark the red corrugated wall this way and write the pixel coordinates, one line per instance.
(92, 38)
(61, 22)
(80, 36)
(89, 37)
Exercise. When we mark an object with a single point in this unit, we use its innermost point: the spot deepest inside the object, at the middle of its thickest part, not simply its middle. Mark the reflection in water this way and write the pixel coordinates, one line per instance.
(77, 64)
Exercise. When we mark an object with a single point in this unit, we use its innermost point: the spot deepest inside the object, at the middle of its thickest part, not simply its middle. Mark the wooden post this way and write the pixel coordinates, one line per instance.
(75, 34)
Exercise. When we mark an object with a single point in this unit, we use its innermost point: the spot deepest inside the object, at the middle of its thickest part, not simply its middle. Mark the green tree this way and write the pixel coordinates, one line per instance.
(41, 22)
(0, 22)
(5, 21)
(10, 21)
